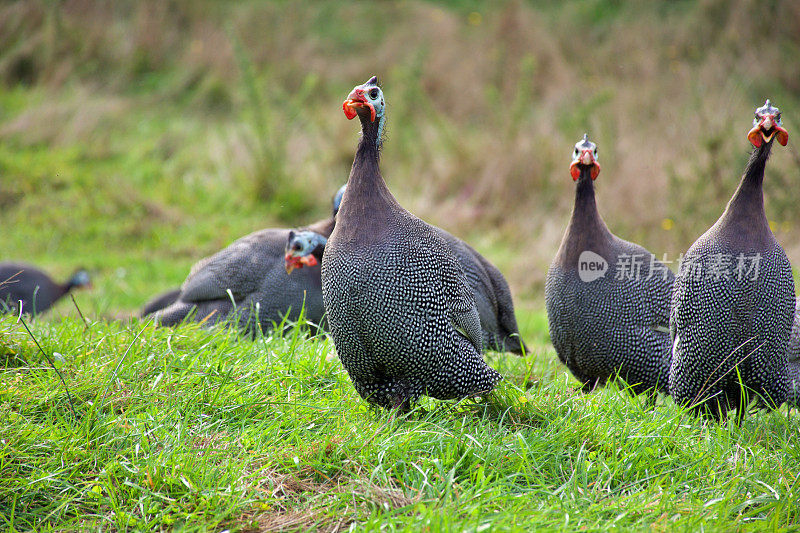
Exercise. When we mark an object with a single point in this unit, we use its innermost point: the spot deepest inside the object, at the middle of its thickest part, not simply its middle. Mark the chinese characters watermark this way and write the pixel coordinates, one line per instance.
(635, 267)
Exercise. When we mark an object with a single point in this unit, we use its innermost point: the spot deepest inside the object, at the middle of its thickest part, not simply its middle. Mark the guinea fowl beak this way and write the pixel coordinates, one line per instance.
(292, 262)
(586, 158)
(765, 130)
(355, 100)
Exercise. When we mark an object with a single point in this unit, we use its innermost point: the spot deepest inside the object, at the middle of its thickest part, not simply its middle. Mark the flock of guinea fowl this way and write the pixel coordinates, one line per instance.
(411, 308)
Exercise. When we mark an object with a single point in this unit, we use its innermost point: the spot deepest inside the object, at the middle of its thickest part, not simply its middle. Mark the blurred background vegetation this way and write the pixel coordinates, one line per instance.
(138, 137)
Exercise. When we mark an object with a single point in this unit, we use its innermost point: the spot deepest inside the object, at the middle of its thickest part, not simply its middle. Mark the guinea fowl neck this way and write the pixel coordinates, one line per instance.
(748, 200)
(366, 165)
(366, 192)
(63, 289)
(585, 204)
(586, 231)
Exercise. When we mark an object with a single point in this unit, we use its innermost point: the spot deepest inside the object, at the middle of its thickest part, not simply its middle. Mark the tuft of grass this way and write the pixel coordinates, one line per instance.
(202, 429)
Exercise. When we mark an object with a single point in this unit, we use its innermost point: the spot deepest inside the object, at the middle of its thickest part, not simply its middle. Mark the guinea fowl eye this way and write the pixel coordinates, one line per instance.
(296, 246)
(373, 93)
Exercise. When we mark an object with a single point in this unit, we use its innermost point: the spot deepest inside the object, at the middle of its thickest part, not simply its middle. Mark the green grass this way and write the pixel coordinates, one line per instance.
(204, 430)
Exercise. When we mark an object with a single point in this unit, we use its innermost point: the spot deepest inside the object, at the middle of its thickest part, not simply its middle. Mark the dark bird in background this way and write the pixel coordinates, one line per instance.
(607, 299)
(489, 287)
(37, 291)
(401, 312)
(250, 278)
(734, 300)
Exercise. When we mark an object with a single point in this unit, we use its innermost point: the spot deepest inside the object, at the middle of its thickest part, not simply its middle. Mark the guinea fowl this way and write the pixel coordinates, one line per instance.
(249, 278)
(489, 287)
(607, 299)
(733, 304)
(400, 310)
(37, 291)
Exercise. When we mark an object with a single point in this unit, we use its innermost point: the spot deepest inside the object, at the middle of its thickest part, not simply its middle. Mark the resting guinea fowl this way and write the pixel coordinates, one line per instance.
(489, 287)
(252, 269)
(733, 304)
(607, 299)
(400, 310)
(34, 288)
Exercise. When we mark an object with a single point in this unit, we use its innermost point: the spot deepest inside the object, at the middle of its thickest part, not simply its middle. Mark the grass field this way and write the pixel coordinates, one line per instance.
(139, 137)
(205, 431)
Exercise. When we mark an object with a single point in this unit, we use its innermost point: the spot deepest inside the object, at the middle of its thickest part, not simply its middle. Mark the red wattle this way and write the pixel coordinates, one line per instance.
(595, 170)
(349, 112)
(782, 135)
(574, 171)
(308, 260)
(754, 136)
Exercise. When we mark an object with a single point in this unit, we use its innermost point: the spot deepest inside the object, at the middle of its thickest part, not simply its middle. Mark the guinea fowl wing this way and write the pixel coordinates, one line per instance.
(460, 300)
(793, 351)
(506, 318)
(239, 268)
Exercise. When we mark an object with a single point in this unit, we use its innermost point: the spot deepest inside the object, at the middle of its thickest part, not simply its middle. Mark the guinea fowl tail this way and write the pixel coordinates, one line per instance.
(793, 399)
(514, 344)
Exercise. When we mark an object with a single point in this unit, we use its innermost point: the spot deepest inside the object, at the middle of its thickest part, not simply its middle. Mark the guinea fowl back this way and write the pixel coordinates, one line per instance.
(492, 297)
(733, 303)
(249, 278)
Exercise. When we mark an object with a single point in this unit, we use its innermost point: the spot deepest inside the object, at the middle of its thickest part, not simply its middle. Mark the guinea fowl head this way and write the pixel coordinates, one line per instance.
(584, 157)
(302, 249)
(366, 101)
(337, 199)
(767, 126)
(79, 279)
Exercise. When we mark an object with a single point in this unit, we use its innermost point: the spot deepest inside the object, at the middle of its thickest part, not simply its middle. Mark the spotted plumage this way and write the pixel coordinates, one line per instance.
(249, 278)
(793, 360)
(489, 288)
(733, 303)
(35, 289)
(401, 312)
(607, 299)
